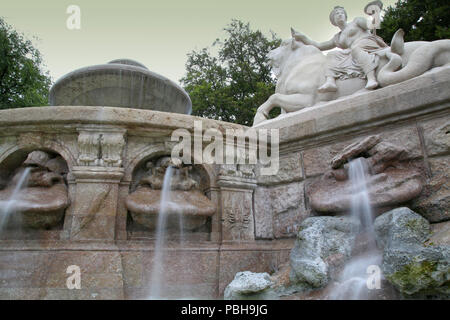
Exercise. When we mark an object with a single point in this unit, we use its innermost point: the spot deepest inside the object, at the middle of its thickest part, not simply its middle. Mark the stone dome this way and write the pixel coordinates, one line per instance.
(121, 83)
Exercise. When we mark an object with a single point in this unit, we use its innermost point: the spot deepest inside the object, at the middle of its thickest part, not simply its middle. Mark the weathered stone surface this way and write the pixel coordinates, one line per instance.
(44, 274)
(144, 205)
(405, 138)
(413, 267)
(354, 150)
(437, 136)
(440, 234)
(193, 271)
(247, 285)
(419, 271)
(318, 239)
(289, 170)
(43, 178)
(279, 210)
(57, 165)
(390, 179)
(385, 189)
(37, 158)
(434, 201)
(317, 160)
(255, 256)
(400, 226)
(94, 217)
(237, 214)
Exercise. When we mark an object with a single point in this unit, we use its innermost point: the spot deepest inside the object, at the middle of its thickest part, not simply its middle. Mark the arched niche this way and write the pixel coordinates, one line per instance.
(33, 191)
(204, 177)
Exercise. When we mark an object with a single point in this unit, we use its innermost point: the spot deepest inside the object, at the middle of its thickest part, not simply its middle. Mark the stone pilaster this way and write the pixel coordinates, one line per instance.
(236, 201)
(216, 222)
(96, 197)
(97, 177)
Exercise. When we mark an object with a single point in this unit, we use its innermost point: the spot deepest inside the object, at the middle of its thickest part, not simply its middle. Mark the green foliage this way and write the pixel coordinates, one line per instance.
(422, 20)
(22, 82)
(233, 84)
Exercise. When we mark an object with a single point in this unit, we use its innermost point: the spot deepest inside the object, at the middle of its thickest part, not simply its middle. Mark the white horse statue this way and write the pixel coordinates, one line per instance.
(300, 70)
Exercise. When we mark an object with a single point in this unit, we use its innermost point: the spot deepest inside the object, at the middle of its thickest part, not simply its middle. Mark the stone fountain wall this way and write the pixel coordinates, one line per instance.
(413, 115)
(102, 147)
(257, 216)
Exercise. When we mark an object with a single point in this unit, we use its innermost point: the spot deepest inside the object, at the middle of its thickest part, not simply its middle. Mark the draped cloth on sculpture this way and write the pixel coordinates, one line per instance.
(357, 61)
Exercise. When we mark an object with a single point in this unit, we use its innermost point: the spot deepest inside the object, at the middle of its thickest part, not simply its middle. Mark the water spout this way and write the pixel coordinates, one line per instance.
(6, 206)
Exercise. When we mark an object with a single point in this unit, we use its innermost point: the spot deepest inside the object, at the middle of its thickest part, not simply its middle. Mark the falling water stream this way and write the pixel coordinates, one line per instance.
(157, 275)
(354, 277)
(360, 206)
(6, 206)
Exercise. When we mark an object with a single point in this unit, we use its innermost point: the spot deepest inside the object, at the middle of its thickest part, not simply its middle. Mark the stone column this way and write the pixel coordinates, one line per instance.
(97, 179)
(236, 202)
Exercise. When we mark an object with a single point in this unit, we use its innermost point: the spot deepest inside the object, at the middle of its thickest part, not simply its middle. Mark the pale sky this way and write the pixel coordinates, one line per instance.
(159, 33)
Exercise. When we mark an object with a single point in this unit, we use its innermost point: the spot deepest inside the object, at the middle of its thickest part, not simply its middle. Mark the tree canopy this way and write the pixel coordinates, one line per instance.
(425, 20)
(22, 81)
(233, 84)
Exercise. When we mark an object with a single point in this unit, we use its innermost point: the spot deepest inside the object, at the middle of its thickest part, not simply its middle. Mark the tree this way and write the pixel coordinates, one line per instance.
(233, 84)
(22, 81)
(425, 20)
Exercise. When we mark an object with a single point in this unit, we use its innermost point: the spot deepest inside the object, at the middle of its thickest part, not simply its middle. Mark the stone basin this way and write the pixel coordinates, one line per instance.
(145, 205)
(120, 83)
(385, 189)
(39, 207)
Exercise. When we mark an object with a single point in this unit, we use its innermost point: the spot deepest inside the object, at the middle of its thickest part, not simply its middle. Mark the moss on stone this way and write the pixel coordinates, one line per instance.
(414, 225)
(416, 277)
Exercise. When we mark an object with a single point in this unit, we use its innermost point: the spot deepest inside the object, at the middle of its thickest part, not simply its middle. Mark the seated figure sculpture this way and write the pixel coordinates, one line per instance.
(357, 59)
(307, 77)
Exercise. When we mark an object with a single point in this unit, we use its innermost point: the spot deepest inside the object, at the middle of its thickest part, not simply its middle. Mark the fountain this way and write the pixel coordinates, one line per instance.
(120, 83)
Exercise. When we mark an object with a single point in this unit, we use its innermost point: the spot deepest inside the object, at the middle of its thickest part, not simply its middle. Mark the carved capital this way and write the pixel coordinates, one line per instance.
(101, 146)
(241, 176)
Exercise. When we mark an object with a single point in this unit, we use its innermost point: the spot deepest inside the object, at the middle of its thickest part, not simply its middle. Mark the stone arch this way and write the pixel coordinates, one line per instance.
(161, 149)
(21, 151)
(143, 155)
(48, 193)
(16, 154)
